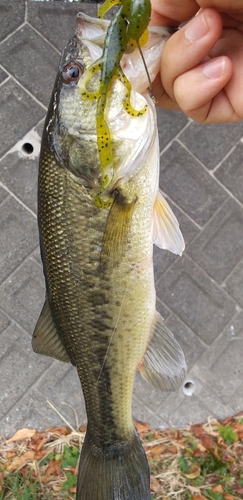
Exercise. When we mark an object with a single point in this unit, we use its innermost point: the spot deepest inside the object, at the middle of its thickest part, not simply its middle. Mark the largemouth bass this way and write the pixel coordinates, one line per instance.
(99, 312)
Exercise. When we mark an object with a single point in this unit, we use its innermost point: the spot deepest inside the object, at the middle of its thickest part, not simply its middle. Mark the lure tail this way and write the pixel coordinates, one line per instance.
(113, 472)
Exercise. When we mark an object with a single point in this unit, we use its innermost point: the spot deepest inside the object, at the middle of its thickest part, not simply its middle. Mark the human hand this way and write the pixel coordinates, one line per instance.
(202, 63)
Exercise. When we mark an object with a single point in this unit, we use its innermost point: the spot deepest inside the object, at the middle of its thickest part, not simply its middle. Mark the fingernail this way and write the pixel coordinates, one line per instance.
(214, 68)
(196, 28)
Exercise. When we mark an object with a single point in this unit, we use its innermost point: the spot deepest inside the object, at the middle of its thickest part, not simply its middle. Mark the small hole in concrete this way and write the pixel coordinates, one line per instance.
(27, 149)
(189, 388)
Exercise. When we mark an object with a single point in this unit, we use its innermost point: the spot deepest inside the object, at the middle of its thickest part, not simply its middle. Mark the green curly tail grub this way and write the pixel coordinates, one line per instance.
(128, 25)
(127, 101)
(86, 77)
(107, 5)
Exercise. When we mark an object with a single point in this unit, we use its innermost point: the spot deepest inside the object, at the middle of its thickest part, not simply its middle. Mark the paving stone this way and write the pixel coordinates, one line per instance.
(221, 367)
(195, 299)
(19, 113)
(150, 397)
(142, 413)
(19, 172)
(18, 367)
(219, 247)
(23, 294)
(187, 227)
(160, 307)
(190, 343)
(33, 411)
(3, 194)
(3, 74)
(18, 236)
(234, 284)
(163, 258)
(180, 410)
(60, 384)
(187, 183)
(11, 15)
(236, 402)
(37, 72)
(4, 322)
(230, 173)
(170, 123)
(30, 411)
(210, 143)
(56, 21)
(36, 257)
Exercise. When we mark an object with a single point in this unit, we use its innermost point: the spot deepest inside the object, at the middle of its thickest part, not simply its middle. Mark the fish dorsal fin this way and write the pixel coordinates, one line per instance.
(163, 365)
(167, 234)
(46, 339)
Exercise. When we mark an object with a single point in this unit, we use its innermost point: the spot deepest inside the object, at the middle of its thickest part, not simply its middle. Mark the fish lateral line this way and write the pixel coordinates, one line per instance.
(113, 331)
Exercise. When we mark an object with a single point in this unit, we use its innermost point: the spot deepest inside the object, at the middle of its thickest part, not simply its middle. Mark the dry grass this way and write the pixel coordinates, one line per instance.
(197, 463)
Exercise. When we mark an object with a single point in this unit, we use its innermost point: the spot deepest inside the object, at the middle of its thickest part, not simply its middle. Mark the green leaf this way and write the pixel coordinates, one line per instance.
(228, 434)
(70, 481)
(183, 464)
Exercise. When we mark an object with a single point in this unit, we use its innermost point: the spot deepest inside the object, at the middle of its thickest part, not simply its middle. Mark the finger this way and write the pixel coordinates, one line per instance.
(200, 94)
(172, 12)
(161, 95)
(232, 7)
(188, 47)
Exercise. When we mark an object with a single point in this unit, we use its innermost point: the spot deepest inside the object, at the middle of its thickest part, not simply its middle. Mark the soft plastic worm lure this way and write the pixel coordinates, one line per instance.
(127, 27)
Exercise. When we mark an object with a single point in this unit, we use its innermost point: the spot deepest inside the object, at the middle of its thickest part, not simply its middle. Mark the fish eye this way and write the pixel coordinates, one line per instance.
(72, 72)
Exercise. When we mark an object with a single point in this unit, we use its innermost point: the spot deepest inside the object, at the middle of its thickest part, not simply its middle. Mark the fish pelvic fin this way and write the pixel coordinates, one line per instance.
(167, 234)
(46, 339)
(163, 365)
(113, 472)
(117, 230)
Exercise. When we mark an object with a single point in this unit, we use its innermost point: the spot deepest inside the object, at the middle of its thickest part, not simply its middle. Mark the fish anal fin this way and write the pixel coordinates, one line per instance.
(163, 365)
(46, 339)
(166, 234)
(117, 230)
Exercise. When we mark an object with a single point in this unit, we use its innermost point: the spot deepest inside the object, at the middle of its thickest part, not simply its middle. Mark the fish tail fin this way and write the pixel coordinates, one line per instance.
(113, 472)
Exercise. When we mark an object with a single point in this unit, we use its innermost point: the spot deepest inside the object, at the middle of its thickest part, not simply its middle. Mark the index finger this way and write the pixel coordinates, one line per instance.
(172, 12)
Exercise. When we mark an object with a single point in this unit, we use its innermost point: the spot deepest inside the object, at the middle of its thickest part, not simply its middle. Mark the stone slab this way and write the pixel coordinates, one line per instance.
(37, 72)
(210, 143)
(19, 171)
(203, 404)
(12, 15)
(56, 21)
(189, 185)
(219, 247)
(19, 369)
(170, 124)
(22, 295)
(230, 173)
(234, 284)
(220, 368)
(19, 113)
(18, 236)
(3, 75)
(196, 299)
(192, 346)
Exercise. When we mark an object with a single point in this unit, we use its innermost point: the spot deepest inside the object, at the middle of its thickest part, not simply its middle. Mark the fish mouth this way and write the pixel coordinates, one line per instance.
(91, 29)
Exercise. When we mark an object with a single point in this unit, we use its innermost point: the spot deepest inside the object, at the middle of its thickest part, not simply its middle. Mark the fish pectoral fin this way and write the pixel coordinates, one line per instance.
(167, 234)
(163, 365)
(117, 230)
(46, 339)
